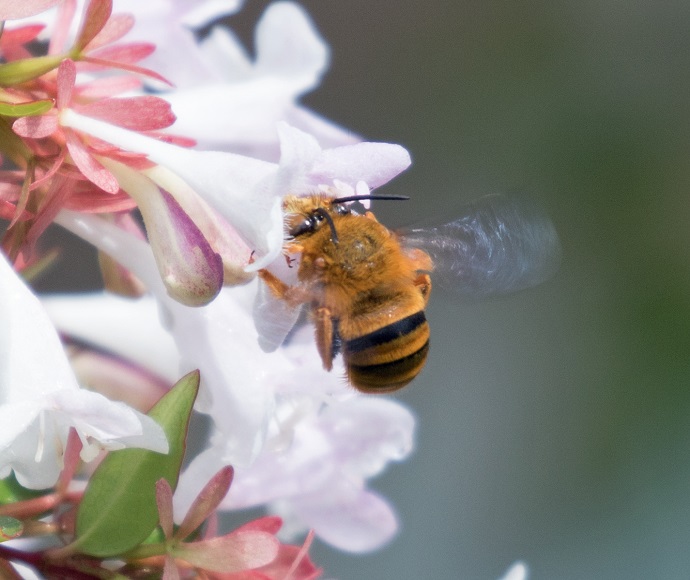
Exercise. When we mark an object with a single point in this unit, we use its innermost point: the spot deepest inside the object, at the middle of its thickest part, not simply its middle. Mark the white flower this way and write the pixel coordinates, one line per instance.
(302, 441)
(225, 101)
(319, 480)
(246, 192)
(40, 399)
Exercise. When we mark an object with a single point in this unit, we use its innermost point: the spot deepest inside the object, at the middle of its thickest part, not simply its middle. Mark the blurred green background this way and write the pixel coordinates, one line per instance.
(554, 425)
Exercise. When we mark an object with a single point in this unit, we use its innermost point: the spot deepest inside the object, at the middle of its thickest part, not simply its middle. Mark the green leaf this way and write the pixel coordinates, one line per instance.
(12, 492)
(118, 510)
(27, 69)
(10, 528)
(26, 109)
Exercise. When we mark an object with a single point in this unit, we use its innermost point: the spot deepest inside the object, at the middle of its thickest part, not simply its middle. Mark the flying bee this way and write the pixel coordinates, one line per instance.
(366, 286)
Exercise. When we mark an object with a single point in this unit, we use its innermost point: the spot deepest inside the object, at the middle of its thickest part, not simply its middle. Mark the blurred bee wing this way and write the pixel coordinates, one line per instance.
(273, 318)
(499, 245)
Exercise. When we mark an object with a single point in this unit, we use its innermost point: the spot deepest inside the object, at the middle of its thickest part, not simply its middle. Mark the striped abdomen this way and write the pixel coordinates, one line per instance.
(388, 357)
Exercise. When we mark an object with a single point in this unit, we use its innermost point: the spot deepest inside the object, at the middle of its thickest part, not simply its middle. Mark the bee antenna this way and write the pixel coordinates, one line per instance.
(368, 196)
(323, 213)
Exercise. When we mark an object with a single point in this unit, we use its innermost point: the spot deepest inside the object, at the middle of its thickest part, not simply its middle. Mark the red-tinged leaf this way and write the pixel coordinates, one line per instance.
(15, 9)
(89, 167)
(118, 510)
(164, 502)
(35, 127)
(117, 26)
(58, 192)
(66, 76)
(96, 15)
(206, 502)
(146, 113)
(57, 163)
(128, 67)
(20, 35)
(23, 199)
(270, 524)
(234, 552)
(128, 53)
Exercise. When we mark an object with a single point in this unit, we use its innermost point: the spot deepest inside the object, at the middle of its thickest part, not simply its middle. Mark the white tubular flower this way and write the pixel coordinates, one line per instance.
(40, 399)
(246, 192)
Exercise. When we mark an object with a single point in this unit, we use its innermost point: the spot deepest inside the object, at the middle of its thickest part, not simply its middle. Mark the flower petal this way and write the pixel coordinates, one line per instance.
(32, 361)
(234, 552)
(14, 9)
(35, 127)
(130, 328)
(89, 167)
(206, 502)
(373, 163)
(191, 271)
(287, 44)
(145, 113)
(352, 519)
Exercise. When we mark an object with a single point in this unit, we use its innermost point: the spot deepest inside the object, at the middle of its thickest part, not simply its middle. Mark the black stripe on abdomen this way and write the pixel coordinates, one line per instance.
(388, 376)
(387, 333)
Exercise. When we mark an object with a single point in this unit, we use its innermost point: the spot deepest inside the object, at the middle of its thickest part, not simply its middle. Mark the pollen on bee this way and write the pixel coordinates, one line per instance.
(320, 263)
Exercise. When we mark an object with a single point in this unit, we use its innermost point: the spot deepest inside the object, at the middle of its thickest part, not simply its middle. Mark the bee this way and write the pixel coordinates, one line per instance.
(367, 287)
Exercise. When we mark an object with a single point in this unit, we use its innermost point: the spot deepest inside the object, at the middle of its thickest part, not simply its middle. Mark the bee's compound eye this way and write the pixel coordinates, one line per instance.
(305, 226)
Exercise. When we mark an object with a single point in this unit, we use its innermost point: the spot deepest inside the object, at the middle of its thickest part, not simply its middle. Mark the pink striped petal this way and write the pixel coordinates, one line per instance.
(89, 167)
(206, 502)
(66, 75)
(234, 552)
(35, 127)
(20, 35)
(95, 17)
(108, 86)
(164, 497)
(98, 63)
(124, 53)
(146, 113)
(14, 9)
(115, 28)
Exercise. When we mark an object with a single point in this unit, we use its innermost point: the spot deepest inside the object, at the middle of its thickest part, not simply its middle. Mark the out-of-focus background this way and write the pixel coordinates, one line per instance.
(554, 425)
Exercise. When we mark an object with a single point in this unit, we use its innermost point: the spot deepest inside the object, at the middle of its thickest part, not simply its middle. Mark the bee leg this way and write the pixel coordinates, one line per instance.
(327, 339)
(423, 282)
(293, 295)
